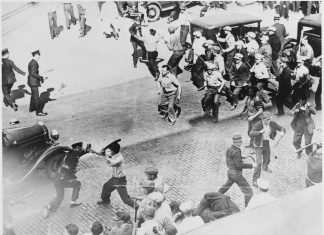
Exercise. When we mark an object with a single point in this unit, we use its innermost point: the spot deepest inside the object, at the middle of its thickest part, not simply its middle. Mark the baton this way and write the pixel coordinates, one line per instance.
(301, 149)
(275, 145)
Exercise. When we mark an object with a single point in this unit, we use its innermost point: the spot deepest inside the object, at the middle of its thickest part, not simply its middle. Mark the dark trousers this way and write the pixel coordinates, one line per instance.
(318, 96)
(265, 5)
(295, 6)
(152, 65)
(250, 126)
(298, 134)
(262, 158)
(282, 99)
(235, 94)
(34, 100)
(229, 59)
(60, 185)
(68, 13)
(52, 19)
(184, 30)
(174, 62)
(6, 90)
(119, 184)
(235, 176)
(135, 45)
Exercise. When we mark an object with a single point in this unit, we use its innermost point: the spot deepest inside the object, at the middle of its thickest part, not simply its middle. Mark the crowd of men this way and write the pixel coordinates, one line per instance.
(240, 70)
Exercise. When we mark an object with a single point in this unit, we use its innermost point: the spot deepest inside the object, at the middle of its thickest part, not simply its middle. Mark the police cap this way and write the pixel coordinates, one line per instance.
(5, 51)
(35, 53)
(77, 145)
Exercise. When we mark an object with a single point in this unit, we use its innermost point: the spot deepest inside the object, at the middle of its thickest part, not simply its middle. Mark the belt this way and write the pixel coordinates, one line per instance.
(119, 177)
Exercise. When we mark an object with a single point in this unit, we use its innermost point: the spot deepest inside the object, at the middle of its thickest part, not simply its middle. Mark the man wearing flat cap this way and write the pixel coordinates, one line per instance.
(163, 214)
(9, 78)
(152, 176)
(230, 46)
(209, 52)
(280, 28)
(239, 75)
(115, 160)
(263, 197)
(241, 49)
(235, 164)
(189, 222)
(66, 178)
(252, 46)
(214, 83)
(262, 132)
(34, 81)
(284, 89)
(219, 60)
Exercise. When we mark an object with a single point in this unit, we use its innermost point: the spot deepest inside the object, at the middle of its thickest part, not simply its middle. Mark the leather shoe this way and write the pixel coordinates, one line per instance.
(41, 114)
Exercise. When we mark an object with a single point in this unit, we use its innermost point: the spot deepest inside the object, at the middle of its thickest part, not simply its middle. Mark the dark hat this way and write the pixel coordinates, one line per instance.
(114, 146)
(50, 89)
(21, 86)
(276, 18)
(5, 51)
(77, 145)
(237, 138)
(35, 52)
(153, 31)
(151, 171)
(121, 215)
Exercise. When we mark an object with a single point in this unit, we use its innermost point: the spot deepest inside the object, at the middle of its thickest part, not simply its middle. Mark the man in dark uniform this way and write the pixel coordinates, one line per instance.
(281, 29)
(136, 30)
(275, 44)
(66, 179)
(235, 166)
(34, 81)
(284, 89)
(115, 159)
(8, 78)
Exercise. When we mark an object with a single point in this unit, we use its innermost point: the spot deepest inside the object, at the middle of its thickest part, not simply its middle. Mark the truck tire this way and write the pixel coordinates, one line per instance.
(153, 12)
(52, 164)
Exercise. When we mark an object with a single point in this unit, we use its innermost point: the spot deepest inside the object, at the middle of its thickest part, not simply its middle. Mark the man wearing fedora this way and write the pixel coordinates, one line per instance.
(235, 164)
(115, 160)
(34, 81)
(9, 78)
(66, 178)
(262, 132)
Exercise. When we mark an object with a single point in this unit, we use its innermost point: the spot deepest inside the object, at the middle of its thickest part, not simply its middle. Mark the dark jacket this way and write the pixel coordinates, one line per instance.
(69, 164)
(281, 31)
(133, 31)
(255, 132)
(234, 159)
(285, 82)
(303, 119)
(34, 79)
(245, 54)
(240, 75)
(8, 75)
(275, 44)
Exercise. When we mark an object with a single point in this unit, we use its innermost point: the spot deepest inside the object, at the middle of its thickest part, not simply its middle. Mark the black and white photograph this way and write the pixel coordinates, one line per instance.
(161, 117)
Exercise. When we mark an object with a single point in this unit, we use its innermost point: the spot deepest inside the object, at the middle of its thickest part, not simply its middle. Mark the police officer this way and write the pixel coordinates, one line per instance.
(34, 81)
(66, 178)
(235, 166)
(115, 160)
(9, 78)
(230, 46)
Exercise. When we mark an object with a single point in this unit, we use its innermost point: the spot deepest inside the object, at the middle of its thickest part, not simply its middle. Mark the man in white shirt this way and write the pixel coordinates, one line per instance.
(230, 46)
(115, 160)
(184, 22)
(252, 46)
(263, 197)
(197, 45)
(150, 226)
(189, 222)
(163, 214)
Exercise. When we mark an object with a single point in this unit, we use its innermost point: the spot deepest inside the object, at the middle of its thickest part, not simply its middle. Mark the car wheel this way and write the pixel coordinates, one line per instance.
(52, 165)
(153, 12)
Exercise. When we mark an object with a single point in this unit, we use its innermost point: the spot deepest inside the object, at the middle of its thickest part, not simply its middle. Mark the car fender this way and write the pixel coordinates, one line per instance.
(43, 157)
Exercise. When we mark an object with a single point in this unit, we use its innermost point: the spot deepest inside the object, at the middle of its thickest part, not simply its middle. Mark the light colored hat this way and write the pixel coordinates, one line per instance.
(210, 65)
(299, 60)
(264, 38)
(266, 115)
(238, 56)
(227, 28)
(209, 42)
(157, 197)
(186, 206)
(273, 29)
(263, 184)
(239, 43)
(237, 138)
(171, 29)
(216, 48)
(197, 33)
(251, 35)
(258, 56)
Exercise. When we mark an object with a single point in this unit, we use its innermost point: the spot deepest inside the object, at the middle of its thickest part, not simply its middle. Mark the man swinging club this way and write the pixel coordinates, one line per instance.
(115, 159)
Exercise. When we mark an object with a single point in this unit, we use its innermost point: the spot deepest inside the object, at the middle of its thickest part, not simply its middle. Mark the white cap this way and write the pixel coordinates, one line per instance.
(263, 184)
(157, 197)
(251, 35)
(227, 28)
(186, 206)
(210, 65)
(197, 33)
(210, 42)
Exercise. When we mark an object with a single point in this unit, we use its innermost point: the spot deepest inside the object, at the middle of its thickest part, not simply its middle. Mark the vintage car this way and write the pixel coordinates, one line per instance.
(241, 24)
(27, 148)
